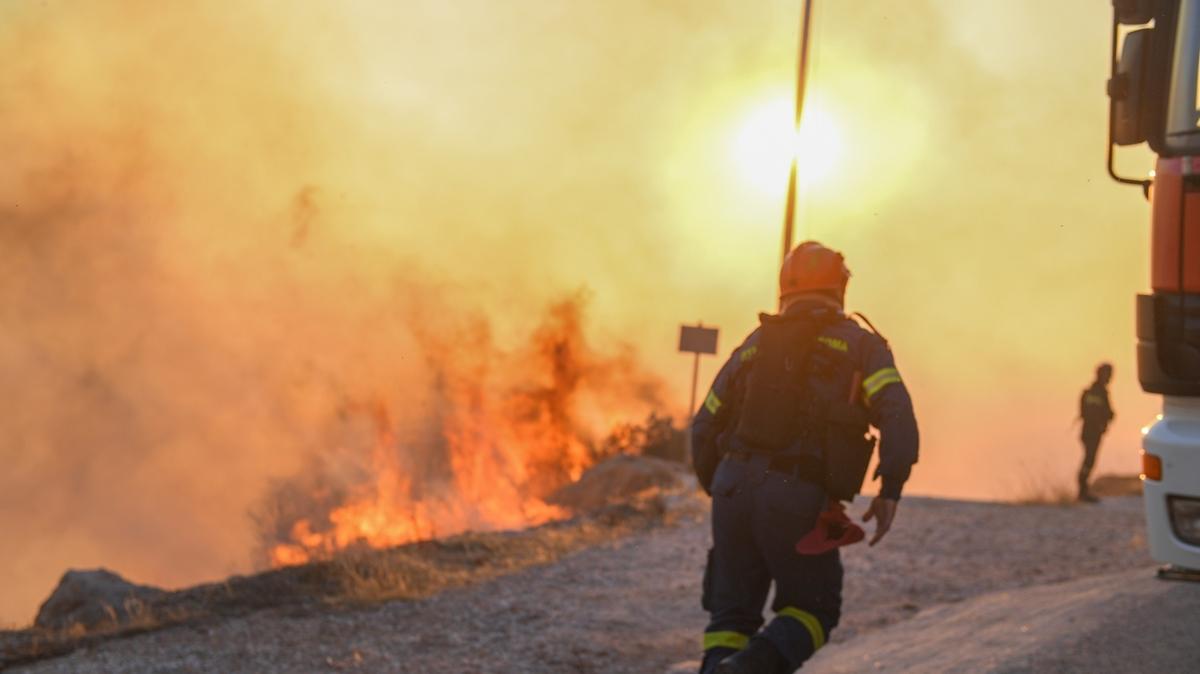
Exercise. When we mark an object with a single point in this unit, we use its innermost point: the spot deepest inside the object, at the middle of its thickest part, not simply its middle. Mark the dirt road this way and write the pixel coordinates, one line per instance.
(633, 605)
(1113, 624)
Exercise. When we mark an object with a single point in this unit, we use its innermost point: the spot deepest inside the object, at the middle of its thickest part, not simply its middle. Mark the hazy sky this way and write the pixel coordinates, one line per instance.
(217, 226)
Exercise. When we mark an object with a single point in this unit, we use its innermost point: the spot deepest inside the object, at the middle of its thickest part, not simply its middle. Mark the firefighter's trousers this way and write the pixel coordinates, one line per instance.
(757, 517)
(1091, 446)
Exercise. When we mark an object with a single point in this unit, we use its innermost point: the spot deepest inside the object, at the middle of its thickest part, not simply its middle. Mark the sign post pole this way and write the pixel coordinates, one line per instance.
(695, 382)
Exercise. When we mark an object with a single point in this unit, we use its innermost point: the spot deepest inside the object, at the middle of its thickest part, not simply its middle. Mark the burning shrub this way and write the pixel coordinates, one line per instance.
(657, 436)
(502, 431)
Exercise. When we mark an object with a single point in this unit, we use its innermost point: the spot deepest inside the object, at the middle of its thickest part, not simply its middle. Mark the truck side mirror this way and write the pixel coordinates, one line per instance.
(1127, 89)
(1133, 12)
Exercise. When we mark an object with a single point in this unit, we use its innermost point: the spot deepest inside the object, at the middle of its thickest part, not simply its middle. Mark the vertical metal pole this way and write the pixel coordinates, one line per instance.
(789, 217)
(695, 381)
(687, 430)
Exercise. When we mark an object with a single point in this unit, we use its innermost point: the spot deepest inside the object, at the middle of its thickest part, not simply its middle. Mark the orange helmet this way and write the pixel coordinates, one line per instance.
(811, 266)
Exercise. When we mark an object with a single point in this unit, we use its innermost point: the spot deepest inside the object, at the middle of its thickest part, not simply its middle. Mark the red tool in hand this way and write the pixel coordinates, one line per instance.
(832, 530)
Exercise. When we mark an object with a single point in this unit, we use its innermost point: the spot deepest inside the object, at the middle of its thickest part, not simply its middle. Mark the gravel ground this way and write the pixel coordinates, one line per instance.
(1113, 624)
(633, 605)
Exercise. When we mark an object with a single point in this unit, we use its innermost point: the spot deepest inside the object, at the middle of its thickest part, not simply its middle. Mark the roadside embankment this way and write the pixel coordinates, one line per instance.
(630, 603)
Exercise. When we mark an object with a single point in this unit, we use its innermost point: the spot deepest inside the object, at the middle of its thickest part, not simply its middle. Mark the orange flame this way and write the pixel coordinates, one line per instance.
(506, 449)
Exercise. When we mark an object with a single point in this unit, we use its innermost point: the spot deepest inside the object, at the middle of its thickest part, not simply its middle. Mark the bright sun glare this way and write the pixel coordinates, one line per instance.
(766, 142)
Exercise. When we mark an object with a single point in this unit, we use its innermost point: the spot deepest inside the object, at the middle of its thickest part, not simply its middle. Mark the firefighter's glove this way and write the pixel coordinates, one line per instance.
(883, 510)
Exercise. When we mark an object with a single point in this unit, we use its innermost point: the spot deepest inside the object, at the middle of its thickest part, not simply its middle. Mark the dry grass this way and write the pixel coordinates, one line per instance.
(350, 579)
(1106, 486)
(1044, 489)
(27, 645)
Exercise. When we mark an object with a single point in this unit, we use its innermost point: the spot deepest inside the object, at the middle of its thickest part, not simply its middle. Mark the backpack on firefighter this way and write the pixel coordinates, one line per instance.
(826, 437)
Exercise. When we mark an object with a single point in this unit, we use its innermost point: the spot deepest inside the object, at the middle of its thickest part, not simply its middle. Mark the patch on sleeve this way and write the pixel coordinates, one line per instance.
(834, 343)
(712, 403)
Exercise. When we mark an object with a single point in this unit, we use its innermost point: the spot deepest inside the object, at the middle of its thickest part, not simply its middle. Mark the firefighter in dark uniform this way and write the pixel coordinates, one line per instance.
(1096, 412)
(780, 441)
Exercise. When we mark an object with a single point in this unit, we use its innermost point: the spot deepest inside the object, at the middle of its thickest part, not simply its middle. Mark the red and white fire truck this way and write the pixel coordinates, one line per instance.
(1155, 99)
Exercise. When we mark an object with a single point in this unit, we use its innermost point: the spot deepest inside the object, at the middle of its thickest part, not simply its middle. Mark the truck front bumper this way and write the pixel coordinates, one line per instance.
(1173, 502)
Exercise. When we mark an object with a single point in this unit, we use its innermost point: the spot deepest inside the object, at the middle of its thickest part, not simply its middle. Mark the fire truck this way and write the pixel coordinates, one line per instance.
(1154, 94)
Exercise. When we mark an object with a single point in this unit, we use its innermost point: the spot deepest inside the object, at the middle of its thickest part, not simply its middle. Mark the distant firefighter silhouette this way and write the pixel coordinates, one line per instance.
(1096, 412)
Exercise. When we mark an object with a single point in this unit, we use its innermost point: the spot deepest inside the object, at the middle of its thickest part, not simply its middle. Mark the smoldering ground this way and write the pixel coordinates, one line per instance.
(219, 227)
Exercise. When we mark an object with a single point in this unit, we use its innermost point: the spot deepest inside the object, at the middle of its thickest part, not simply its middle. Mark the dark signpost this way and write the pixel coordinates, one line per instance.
(696, 339)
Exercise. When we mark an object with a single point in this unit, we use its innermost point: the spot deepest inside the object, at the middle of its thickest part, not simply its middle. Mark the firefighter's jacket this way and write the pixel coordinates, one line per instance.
(1095, 409)
(849, 363)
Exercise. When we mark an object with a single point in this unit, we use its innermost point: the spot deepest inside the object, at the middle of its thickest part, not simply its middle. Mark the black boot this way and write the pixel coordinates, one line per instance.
(1085, 494)
(759, 657)
(713, 657)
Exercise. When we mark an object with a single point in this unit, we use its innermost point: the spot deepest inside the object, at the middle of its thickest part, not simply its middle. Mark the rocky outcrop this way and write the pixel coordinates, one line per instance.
(94, 598)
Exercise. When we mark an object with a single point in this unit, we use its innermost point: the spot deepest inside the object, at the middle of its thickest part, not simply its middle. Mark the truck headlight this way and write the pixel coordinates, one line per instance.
(1185, 518)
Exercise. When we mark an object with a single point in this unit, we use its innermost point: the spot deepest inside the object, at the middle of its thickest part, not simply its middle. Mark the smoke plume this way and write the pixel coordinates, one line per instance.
(254, 257)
